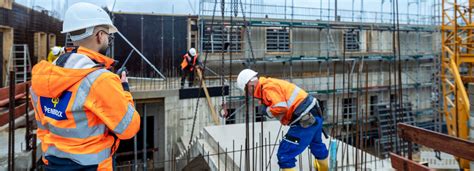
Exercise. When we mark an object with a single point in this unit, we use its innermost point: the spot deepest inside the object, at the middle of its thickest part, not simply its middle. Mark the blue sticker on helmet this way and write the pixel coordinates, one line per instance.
(55, 108)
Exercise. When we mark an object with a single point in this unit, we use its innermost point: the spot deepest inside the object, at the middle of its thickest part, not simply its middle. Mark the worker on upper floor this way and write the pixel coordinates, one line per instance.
(189, 63)
(55, 52)
(293, 107)
(82, 109)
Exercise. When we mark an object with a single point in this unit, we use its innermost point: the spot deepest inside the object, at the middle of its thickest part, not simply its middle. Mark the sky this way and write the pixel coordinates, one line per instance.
(192, 6)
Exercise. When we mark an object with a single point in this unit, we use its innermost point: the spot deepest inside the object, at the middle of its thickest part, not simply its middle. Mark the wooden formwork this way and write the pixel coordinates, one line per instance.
(7, 4)
(41, 46)
(7, 42)
(51, 41)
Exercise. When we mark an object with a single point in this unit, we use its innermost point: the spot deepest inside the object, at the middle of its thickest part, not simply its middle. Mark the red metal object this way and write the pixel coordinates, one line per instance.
(6, 101)
(19, 93)
(401, 163)
(19, 111)
(442, 142)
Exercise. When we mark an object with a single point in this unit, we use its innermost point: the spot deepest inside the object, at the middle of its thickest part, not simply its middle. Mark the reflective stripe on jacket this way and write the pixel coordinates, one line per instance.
(281, 97)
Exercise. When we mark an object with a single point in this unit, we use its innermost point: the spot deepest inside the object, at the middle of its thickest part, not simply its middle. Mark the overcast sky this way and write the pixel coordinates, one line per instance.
(191, 6)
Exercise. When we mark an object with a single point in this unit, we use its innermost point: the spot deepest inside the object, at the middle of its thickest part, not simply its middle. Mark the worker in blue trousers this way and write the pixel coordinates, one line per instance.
(294, 107)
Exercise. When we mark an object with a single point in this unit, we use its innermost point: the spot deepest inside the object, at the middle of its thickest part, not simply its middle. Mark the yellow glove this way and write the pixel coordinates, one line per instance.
(321, 165)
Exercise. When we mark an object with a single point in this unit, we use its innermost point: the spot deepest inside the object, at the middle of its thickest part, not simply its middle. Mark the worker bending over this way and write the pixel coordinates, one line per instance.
(293, 107)
(81, 108)
(189, 63)
(55, 52)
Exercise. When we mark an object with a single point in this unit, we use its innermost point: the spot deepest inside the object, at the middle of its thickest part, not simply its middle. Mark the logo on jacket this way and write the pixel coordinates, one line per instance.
(55, 108)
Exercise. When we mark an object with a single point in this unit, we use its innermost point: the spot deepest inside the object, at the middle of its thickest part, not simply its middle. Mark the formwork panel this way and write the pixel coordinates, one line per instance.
(51, 41)
(162, 39)
(40, 45)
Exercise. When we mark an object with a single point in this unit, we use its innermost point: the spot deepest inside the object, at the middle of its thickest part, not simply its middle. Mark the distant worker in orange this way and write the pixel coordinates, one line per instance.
(55, 53)
(294, 107)
(82, 109)
(189, 63)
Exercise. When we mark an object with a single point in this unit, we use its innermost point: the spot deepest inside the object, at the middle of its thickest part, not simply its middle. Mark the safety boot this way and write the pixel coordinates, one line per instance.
(321, 165)
(289, 169)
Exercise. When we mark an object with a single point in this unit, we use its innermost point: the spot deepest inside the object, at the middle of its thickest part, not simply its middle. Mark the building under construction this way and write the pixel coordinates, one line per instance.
(394, 87)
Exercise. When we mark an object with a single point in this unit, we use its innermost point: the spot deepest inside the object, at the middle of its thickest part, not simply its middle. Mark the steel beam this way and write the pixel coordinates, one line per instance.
(401, 163)
(442, 142)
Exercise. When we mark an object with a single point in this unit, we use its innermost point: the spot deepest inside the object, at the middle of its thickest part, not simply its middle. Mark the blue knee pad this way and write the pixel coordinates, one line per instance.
(319, 151)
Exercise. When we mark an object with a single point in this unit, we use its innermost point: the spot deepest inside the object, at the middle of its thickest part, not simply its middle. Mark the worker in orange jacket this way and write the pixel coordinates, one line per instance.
(189, 63)
(293, 107)
(82, 110)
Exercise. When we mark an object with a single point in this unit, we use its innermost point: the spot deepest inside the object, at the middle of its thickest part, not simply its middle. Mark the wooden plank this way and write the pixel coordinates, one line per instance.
(442, 142)
(19, 89)
(401, 163)
(19, 110)
(5, 102)
(214, 91)
(209, 102)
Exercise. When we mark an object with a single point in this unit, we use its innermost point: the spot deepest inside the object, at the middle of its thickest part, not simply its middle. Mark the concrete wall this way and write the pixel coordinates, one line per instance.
(156, 109)
(173, 119)
(380, 42)
(179, 119)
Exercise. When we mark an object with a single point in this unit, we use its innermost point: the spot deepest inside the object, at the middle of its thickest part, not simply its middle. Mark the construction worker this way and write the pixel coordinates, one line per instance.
(189, 63)
(55, 53)
(293, 107)
(82, 110)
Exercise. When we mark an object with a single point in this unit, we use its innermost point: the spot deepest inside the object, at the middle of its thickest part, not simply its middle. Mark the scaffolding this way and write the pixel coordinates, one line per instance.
(332, 71)
(421, 15)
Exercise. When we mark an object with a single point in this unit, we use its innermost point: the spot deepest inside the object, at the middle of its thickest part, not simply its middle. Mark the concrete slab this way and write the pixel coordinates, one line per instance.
(22, 157)
(447, 161)
(231, 138)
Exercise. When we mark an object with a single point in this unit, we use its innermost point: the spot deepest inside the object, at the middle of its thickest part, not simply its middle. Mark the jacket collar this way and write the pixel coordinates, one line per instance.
(107, 62)
(259, 88)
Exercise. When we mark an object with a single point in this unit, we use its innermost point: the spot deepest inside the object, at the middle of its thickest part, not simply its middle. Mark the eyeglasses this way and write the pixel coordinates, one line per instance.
(111, 36)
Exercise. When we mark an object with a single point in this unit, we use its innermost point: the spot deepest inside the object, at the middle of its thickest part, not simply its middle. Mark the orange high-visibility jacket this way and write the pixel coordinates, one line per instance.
(281, 97)
(185, 62)
(78, 108)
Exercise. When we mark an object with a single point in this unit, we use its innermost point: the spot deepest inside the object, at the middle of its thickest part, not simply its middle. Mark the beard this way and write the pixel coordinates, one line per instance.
(104, 50)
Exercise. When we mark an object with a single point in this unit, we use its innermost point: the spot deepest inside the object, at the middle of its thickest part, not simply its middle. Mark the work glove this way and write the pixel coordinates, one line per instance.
(263, 111)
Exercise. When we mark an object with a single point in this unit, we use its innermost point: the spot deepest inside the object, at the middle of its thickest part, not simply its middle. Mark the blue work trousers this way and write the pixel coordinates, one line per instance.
(298, 139)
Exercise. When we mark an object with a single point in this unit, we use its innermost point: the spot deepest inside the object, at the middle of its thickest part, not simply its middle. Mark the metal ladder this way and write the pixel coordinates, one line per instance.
(435, 100)
(20, 62)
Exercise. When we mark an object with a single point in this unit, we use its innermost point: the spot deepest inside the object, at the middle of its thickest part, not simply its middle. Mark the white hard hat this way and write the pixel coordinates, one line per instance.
(192, 52)
(86, 16)
(244, 77)
(56, 50)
